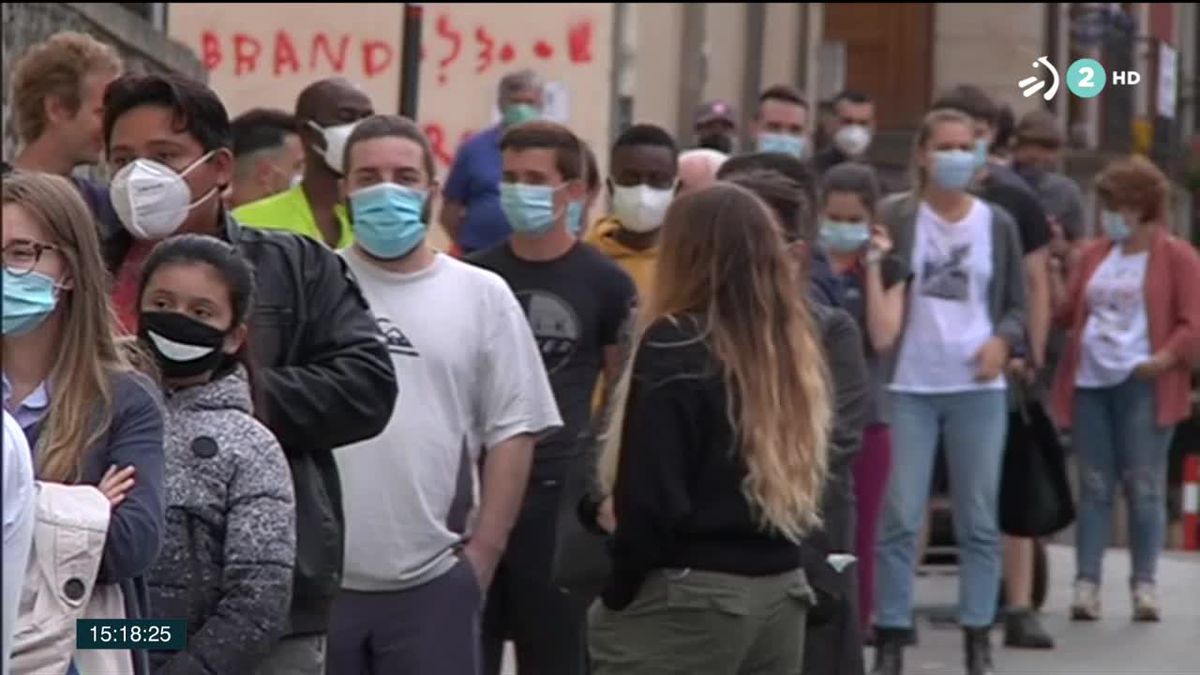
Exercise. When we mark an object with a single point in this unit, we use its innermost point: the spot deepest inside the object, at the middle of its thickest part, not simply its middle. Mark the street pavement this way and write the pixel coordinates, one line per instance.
(1113, 646)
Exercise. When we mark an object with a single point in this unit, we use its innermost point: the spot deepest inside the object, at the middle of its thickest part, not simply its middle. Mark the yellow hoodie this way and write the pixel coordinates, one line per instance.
(638, 264)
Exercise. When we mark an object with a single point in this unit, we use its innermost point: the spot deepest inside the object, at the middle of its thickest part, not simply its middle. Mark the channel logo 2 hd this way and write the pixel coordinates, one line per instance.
(1085, 78)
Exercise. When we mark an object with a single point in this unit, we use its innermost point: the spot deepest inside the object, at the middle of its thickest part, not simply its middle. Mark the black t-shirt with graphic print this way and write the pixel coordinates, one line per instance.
(577, 305)
(1007, 190)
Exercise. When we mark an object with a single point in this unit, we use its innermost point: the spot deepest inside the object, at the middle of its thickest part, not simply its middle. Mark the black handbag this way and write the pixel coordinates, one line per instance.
(1035, 495)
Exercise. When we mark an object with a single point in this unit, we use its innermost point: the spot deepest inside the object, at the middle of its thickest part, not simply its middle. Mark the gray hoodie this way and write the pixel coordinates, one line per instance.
(229, 544)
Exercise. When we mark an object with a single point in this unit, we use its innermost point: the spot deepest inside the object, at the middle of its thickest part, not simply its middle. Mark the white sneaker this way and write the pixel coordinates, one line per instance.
(1145, 602)
(1086, 606)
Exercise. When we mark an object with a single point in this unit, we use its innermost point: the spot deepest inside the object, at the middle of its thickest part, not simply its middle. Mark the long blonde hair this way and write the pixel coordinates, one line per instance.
(88, 353)
(724, 259)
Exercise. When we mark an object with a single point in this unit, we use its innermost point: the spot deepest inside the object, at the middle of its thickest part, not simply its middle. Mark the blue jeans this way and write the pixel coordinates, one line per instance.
(973, 425)
(1118, 439)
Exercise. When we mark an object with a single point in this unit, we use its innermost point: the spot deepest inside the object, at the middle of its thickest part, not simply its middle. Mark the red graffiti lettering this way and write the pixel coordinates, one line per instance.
(377, 57)
(321, 43)
(446, 31)
(543, 50)
(507, 53)
(485, 55)
(437, 140)
(285, 54)
(210, 47)
(245, 53)
(579, 42)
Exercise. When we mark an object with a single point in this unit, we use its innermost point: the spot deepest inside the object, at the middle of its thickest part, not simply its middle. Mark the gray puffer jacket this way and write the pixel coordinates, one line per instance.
(230, 540)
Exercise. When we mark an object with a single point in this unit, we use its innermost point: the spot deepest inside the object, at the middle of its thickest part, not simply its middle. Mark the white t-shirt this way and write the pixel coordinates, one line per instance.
(948, 321)
(20, 507)
(470, 377)
(1116, 337)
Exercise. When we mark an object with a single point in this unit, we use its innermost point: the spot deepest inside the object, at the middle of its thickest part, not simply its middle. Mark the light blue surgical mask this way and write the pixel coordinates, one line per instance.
(519, 113)
(529, 208)
(981, 151)
(28, 300)
(575, 218)
(782, 143)
(954, 169)
(388, 220)
(841, 237)
(1112, 222)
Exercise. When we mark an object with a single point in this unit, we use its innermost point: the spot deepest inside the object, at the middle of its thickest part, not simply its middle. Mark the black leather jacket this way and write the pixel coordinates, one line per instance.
(325, 380)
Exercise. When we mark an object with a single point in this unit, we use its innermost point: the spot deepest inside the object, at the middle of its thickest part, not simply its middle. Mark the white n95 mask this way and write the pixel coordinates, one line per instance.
(852, 139)
(151, 199)
(335, 144)
(641, 208)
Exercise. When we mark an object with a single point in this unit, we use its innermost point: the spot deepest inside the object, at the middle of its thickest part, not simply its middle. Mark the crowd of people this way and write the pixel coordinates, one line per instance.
(683, 418)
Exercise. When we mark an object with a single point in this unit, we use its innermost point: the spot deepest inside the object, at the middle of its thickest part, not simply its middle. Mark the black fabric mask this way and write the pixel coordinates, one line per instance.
(1031, 173)
(720, 142)
(183, 346)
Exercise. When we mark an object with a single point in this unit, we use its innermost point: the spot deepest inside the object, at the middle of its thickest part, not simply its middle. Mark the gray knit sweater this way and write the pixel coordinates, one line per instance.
(229, 545)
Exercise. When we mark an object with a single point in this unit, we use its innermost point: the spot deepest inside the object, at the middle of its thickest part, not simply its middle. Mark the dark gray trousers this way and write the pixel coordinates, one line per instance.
(432, 629)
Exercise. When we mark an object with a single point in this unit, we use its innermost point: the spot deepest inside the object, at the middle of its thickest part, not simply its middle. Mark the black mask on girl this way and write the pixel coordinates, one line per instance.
(183, 346)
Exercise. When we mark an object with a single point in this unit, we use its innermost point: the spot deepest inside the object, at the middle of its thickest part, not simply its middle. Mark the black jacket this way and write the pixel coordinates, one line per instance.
(325, 380)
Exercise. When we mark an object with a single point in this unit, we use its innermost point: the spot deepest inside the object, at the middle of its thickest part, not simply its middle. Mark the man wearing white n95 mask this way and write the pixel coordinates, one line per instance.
(853, 130)
(643, 177)
(326, 112)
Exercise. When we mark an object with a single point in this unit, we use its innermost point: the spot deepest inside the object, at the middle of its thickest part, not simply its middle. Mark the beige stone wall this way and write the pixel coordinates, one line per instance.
(781, 43)
(725, 26)
(655, 61)
(991, 45)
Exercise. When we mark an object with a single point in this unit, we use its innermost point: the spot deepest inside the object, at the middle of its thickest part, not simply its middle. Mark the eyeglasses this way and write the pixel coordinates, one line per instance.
(22, 255)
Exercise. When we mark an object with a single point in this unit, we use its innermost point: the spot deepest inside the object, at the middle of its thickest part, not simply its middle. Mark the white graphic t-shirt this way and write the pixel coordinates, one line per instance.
(1116, 337)
(470, 377)
(948, 321)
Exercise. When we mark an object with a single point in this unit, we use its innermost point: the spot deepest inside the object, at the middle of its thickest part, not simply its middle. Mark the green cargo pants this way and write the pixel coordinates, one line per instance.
(687, 622)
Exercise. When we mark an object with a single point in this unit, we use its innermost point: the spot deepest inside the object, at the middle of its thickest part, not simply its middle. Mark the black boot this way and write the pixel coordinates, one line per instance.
(889, 650)
(1023, 629)
(979, 650)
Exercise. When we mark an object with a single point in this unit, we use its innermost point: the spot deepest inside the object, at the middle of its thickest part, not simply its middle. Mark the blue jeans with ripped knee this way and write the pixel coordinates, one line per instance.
(1118, 441)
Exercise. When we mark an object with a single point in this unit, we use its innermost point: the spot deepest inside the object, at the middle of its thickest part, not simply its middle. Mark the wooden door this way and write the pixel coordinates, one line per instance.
(889, 49)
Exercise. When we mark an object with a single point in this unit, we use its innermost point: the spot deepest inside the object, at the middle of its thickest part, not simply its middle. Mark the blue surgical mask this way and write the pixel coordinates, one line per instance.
(840, 237)
(782, 143)
(1112, 222)
(519, 113)
(981, 151)
(954, 169)
(529, 208)
(575, 218)
(28, 300)
(387, 219)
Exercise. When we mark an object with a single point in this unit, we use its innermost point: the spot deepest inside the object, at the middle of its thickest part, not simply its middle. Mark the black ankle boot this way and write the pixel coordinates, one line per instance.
(1023, 629)
(889, 650)
(979, 650)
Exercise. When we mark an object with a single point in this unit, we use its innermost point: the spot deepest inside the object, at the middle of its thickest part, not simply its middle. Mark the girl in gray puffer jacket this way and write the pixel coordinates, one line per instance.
(229, 544)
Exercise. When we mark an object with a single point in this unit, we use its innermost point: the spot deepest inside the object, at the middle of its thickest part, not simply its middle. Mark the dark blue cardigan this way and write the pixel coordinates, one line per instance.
(134, 437)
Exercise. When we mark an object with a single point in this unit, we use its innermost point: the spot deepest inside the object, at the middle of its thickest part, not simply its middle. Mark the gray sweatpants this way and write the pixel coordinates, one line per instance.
(432, 629)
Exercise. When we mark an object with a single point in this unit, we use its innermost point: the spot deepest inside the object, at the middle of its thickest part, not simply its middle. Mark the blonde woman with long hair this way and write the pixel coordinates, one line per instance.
(716, 454)
(90, 418)
(964, 312)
